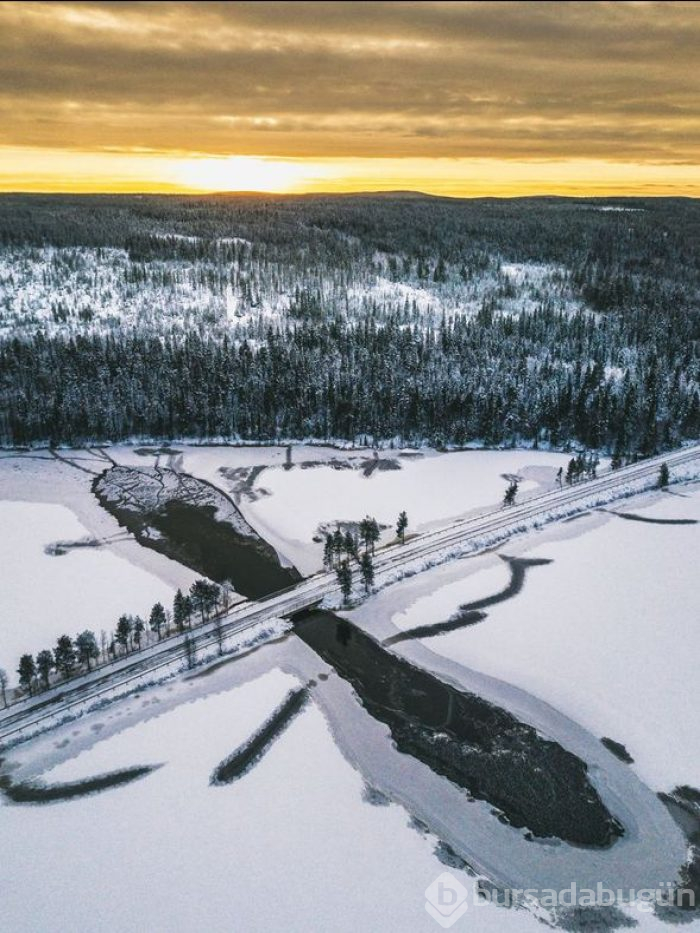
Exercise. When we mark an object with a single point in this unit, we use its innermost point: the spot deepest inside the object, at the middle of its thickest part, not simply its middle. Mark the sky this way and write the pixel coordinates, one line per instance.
(463, 99)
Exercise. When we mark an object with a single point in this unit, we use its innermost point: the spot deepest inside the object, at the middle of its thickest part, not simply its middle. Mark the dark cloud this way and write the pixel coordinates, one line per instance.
(515, 80)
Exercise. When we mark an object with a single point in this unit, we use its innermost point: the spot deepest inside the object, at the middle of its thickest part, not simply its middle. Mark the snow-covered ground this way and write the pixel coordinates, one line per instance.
(89, 290)
(64, 290)
(297, 843)
(45, 595)
(287, 506)
(43, 502)
(607, 633)
(293, 844)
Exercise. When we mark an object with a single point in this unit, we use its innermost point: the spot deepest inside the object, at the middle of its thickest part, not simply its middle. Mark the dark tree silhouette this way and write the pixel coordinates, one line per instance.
(65, 657)
(367, 570)
(182, 610)
(86, 648)
(204, 596)
(122, 634)
(510, 493)
(401, 526)
(157, 618)
(26, 671)
(44, 665)
(344, 575)
(139, 627)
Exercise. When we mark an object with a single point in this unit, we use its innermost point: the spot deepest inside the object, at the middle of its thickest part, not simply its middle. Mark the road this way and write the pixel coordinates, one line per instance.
(475, 532)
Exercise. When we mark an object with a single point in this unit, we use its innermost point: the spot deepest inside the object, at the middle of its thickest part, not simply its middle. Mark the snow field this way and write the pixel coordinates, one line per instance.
(607, 633)
(291, 845)
(45, 596)
(431, 489)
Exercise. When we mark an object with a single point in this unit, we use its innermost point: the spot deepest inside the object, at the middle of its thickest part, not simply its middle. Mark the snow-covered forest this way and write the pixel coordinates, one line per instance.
(548, 321)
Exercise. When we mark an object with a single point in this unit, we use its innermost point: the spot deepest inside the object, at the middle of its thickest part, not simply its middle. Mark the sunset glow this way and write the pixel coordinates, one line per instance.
(448, 98)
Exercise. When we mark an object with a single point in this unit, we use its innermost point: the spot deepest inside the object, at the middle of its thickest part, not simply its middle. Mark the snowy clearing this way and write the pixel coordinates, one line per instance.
(431, 488)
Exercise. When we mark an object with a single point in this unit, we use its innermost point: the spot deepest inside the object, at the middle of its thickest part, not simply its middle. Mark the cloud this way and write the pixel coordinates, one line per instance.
(615, 81)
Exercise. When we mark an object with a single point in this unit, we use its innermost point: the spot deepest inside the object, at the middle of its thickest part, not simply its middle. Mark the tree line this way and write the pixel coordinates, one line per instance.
(545, 378)
(71, 656)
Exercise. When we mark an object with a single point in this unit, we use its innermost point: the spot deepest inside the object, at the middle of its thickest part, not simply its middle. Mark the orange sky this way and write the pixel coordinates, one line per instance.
(449, 98)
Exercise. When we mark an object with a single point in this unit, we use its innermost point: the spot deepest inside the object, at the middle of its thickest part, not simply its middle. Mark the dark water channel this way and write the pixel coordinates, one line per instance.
(181, 522)
(214, 548)
(533, 783)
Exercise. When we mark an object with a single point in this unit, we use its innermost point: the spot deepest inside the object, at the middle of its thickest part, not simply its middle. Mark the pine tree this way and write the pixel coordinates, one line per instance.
(44, 665)
(156, 619)
(182, 610)
(374, 533)
(350, 544)
(64, 656)
(27, 672)
(122, 634)
(664, 476)
(139, 626)
(328, 552)
(369, 532)
(198, 596)
(86, 648)
(511, 492)
(401, 526)
(338, 543)
(204, 596)
(344, 575)
(363, 529)
(367, 570)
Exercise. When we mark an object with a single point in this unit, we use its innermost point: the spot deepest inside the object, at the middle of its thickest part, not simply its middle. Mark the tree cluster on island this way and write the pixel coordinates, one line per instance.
(342, 553)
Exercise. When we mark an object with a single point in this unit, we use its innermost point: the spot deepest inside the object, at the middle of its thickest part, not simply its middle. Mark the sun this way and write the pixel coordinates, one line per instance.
(243, 173)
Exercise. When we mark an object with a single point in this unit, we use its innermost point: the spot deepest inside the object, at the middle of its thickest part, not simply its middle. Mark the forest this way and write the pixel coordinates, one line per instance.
(392, 318)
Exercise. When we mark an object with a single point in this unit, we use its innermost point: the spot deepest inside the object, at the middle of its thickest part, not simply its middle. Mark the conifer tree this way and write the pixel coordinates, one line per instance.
(401, 526)
(156, 620)
(65, 657)
(44, 666)
(27, 672)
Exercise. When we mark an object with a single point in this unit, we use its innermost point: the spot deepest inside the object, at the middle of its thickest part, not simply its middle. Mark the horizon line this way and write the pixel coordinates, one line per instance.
(379, 192)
